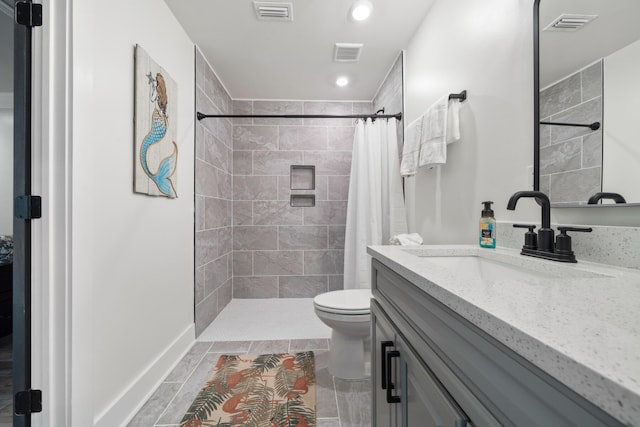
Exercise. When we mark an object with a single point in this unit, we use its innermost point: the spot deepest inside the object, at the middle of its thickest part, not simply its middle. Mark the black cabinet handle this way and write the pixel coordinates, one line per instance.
(390, 397)
(383, 367)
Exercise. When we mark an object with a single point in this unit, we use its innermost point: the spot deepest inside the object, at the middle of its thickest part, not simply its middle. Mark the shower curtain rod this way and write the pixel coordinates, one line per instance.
(462, 96)
(302, 116)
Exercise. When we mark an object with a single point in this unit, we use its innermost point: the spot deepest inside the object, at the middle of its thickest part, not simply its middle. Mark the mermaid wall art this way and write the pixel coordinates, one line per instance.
(156, 152)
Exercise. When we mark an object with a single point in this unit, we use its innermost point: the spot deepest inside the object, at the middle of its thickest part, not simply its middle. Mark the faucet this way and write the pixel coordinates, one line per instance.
(593, 200)
(544, 246)
(545, 233)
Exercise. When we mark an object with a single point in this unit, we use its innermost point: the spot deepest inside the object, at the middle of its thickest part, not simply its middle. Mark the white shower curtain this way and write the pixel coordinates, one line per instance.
(375, 208)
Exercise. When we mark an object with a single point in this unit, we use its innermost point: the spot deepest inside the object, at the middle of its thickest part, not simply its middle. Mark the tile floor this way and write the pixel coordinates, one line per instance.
(339, 403)
(269, 319)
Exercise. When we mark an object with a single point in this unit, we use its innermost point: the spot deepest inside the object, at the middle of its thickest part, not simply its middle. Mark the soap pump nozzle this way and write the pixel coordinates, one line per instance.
(487, 211)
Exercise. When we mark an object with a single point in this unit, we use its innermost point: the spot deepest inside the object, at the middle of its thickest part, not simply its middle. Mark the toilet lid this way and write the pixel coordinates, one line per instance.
(348, 301)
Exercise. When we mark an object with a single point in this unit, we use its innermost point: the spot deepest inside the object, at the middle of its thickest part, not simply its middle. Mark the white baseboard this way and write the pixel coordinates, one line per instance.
(125, 406)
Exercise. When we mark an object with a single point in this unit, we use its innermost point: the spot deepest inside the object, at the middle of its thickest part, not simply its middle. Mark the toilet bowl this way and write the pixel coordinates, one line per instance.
(347, 313)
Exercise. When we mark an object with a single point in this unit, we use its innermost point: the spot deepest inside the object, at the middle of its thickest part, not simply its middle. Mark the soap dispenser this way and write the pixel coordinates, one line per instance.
(487, 227)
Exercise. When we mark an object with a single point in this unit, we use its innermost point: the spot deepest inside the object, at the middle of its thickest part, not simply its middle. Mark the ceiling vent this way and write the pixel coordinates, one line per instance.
(347, 52)
(274, 11)
(569, 22)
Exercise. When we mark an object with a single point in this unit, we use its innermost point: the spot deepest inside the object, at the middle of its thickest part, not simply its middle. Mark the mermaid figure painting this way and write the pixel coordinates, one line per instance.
(157, 151)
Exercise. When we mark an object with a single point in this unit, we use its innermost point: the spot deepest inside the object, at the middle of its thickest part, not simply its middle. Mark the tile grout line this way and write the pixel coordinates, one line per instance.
(183, 383)
(335, 394)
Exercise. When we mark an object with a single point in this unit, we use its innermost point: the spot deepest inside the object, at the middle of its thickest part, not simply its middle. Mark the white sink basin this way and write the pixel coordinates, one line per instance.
(491, 266)
(489, 270)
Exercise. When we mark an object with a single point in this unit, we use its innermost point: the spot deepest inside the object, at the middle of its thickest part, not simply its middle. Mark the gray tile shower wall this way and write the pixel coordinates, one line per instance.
(571, 157)
(213, 204)
(389, 95)
(281, 251)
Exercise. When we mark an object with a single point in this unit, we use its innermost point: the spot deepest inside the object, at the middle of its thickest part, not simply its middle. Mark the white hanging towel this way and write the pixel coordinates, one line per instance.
(411, 148)
(375, 207)
(453, 121)
(440, 126)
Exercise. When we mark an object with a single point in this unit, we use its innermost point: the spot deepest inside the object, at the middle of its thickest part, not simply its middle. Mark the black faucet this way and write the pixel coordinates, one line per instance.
(545, 233)
(544, 246)
(593, 200)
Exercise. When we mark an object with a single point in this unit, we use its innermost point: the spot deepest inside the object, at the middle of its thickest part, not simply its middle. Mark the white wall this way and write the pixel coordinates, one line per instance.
(486, 48)
(621, 147)
(132, 255)
(6, 164)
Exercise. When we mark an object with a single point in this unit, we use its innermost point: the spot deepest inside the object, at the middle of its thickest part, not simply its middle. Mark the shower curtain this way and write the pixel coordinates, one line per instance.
(375, 207)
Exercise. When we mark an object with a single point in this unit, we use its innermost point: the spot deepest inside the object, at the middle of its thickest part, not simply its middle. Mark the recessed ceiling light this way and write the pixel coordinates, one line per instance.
(361, 10)
(342, 81)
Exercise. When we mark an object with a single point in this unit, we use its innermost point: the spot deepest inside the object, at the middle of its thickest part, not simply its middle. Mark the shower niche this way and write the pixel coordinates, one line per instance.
(302, 177)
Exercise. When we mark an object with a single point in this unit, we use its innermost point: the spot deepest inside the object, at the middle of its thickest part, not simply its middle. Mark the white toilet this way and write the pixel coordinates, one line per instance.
(347, 313)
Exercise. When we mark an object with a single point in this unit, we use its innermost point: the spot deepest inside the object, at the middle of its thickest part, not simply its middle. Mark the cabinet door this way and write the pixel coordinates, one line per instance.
(424, 402)
(382, 341)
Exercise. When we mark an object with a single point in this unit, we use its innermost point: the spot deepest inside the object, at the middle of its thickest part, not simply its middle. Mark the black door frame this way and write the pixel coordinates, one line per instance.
(26, 208)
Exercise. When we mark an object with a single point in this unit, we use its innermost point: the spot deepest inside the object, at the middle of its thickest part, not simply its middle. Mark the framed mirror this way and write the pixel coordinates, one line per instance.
(587, 78)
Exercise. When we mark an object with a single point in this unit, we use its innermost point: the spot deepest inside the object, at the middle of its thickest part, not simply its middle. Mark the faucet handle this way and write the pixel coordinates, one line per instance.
(530, 238)
(563, 241)
(531, 227)
(564, 228)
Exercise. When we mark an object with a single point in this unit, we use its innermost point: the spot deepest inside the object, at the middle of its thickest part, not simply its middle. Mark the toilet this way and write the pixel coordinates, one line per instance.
(347, 312)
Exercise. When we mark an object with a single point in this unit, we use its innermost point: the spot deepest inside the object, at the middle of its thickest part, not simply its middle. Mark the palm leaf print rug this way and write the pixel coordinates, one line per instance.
(266, 390)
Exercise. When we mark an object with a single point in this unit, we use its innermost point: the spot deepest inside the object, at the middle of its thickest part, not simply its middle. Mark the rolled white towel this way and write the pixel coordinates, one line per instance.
(411, 239)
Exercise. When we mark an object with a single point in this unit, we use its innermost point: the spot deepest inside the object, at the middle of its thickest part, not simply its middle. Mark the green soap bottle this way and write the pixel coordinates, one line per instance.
(487, 227)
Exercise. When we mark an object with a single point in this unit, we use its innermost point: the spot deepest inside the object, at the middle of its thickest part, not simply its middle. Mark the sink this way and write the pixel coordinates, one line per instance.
(491, 266)
(488, 270)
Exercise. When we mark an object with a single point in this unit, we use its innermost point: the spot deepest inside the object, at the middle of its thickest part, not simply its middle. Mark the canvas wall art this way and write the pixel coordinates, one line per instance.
(156, 151)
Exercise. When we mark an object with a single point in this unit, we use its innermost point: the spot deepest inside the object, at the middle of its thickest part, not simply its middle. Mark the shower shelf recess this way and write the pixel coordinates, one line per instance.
(302, 177)
(302, 200)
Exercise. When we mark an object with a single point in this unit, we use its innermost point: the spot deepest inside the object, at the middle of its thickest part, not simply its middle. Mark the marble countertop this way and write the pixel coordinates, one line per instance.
(581, 326)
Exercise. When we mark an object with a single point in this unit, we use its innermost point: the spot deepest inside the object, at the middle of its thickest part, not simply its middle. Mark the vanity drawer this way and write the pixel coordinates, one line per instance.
(487, 379)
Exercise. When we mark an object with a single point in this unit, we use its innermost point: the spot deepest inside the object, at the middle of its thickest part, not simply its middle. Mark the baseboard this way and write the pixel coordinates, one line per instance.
(125, 406)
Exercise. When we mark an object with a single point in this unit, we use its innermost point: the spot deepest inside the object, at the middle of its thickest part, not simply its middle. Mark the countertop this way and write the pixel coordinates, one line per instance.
(582, 328)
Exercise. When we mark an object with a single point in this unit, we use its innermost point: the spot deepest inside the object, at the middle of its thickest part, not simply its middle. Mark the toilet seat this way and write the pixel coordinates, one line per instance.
(344, 302)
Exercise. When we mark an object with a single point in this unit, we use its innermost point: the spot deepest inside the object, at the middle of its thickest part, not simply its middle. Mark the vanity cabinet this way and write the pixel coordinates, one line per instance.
(406, 392)
(431, 367)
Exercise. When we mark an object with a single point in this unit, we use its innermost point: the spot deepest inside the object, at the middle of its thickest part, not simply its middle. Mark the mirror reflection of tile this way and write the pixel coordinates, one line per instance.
(571, 157)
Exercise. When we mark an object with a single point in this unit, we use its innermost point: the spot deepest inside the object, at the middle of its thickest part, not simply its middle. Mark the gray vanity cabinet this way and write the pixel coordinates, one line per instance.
(446, 372)
(406, 392)
(383, 341)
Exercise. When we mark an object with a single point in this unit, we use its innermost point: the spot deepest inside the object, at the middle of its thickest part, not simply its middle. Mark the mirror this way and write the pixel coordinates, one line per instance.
(588, 153)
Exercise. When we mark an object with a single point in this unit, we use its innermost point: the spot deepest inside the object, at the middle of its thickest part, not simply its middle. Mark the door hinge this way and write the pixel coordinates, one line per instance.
(28, 402)
(28, 207)
(29, 14)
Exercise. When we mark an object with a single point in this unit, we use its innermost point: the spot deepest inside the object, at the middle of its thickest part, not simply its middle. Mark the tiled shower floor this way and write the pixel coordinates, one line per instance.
(339, 403)
(266, 319)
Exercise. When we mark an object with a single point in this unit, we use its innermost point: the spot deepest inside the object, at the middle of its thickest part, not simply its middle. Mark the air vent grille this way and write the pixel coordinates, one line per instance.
(569, 22)
(274, 11)
(347, 52)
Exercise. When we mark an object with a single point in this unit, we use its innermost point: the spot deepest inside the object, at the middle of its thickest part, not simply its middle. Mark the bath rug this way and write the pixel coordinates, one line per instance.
(266, 390)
